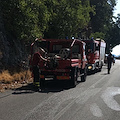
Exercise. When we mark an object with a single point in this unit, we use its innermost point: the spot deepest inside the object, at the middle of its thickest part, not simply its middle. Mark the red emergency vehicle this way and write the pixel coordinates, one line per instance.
(67, 60)
(95, 52)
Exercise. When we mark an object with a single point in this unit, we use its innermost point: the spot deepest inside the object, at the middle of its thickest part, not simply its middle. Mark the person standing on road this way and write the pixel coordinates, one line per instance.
(109, 62)
(35, 66)
(37, 56)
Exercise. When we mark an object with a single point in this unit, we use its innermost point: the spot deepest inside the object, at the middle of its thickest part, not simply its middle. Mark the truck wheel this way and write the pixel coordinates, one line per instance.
(83, 77)
(42, 83)
(100, 68)
(74, 77)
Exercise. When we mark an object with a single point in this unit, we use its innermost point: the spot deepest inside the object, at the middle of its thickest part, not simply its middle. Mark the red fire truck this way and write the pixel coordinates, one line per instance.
(67, 60)
(95, 52)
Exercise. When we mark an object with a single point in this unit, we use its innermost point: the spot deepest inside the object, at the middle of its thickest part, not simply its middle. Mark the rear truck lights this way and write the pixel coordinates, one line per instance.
(57, 77)
(65, 74)
(63, 77)
(42, 76)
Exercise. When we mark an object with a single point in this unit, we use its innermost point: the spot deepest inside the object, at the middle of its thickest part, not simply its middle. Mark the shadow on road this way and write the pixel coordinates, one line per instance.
(104, 74)
(57, 86)
(25, 89)
(50, 86)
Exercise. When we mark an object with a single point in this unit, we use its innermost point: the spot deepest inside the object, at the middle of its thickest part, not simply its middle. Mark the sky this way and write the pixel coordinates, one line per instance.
(116, 49)
(117, 8)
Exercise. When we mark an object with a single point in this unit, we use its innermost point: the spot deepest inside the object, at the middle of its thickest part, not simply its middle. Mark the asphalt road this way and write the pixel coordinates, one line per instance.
(96, 99)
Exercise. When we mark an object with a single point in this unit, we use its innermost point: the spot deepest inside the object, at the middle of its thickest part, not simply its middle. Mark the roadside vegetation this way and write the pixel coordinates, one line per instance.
(21, 21)
(60, 19)
(14, 80)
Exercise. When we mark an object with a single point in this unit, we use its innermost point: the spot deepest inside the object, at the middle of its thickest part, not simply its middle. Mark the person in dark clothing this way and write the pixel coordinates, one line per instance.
(109, 62)
(35, 66)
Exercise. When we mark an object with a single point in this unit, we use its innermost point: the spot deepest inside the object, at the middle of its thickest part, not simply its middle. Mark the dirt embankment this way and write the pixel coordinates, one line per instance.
(12, 52)
(10, 80)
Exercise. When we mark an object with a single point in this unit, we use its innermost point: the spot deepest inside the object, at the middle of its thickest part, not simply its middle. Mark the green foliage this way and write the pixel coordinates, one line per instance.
(25, 19)
(97, 35)
(103, 16)
(113, 36)
(102, 23)
(68, 18)
(35, 17)
(28, 19)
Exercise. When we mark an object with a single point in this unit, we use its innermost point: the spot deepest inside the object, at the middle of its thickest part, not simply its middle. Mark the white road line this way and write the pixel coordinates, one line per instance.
(48, 108)
(108, 98)
(93, 86)
(70, 104)
(96, 111)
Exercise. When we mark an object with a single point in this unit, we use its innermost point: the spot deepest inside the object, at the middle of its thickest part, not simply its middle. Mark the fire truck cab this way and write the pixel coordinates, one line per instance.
(67, 60)
(95, 52)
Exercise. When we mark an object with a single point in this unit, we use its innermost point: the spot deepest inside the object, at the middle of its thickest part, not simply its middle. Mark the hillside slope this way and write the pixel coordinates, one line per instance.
(12, 51)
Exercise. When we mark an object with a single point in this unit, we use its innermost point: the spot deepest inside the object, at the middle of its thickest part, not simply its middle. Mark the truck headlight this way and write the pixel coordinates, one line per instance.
(89, 67)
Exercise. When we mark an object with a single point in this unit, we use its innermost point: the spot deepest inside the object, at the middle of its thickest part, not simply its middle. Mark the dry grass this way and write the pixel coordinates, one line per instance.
(7, 79)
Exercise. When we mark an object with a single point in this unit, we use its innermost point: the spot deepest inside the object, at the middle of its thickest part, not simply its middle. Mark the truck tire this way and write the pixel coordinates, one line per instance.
(74, 77)
(42, 84)
(84, 72)
(100, 67)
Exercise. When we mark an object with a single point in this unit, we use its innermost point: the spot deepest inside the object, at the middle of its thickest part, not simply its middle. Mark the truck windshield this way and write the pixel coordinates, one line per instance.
(57, 48)
(40, 44)
(89, 47)
(75, 49)
(60, 45)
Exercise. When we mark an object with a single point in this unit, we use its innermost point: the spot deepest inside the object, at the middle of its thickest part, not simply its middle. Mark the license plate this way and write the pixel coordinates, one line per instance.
(49, 77)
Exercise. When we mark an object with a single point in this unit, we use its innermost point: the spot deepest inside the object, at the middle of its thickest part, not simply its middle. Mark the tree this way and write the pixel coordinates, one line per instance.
(68, 18)
(103, 17)
(97, 35)
(113, 36)
(24, 19)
